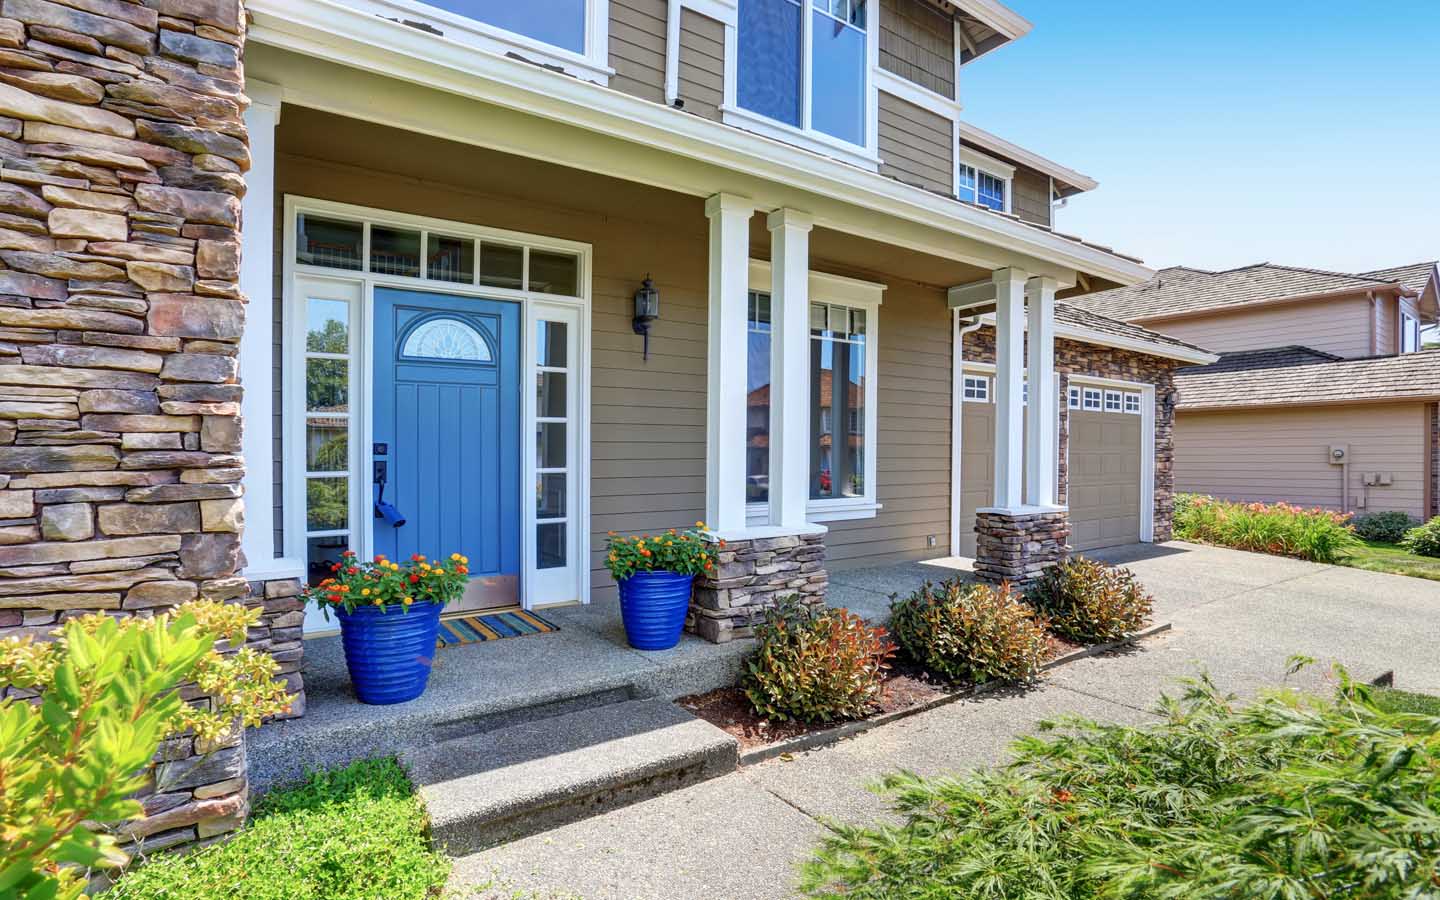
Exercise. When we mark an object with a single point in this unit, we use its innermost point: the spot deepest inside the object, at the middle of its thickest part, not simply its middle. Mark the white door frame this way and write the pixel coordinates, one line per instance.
(536, 590)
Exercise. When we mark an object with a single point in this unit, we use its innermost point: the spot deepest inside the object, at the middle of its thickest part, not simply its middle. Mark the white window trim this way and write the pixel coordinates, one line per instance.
(1407, 324)
(362, 285)
(980, 381)
(1099, 400)
(990, 166)
(865, 156)
(592, 65)
(1147, 444)
(869, 296)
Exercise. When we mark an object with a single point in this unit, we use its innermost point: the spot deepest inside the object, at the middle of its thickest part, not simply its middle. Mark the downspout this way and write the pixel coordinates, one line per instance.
(672, 52)
(960, 328)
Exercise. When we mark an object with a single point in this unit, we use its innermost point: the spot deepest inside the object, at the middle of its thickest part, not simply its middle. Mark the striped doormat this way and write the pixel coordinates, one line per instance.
(477, 627)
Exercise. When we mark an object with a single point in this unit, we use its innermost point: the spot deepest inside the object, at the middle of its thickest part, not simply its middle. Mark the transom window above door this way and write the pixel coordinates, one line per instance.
(806, 64)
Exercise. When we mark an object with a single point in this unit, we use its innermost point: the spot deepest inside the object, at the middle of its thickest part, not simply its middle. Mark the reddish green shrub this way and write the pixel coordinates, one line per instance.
(971, 632)
(1091, 602)
(816, 665)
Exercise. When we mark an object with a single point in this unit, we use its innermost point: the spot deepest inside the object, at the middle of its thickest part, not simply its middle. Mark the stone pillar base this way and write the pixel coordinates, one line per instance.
(750, 576)
(1018, 548)
(279, 632)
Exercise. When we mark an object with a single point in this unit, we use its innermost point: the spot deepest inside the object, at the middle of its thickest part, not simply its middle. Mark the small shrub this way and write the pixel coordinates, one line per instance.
(1386, 527)
(1092, 602)
(1423, 540)
(816, 665)
(1319, 535)
(971, 632)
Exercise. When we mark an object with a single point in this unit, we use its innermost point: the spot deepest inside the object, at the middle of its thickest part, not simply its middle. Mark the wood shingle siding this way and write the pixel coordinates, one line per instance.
(917, 42)
(1284, 454)
(637, 48)
(1030, 196)
(916, 145)
(702, 64)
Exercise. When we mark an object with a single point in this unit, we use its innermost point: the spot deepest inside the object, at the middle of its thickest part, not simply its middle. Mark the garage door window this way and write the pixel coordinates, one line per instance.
(1090, 398)
(1113, 402)
(1132, 403)
(977, 389)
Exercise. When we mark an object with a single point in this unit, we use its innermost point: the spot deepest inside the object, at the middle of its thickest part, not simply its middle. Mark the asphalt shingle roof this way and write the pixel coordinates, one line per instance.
(1185, 290)
(1069, 314)
(1414, 276)
(1261, 378)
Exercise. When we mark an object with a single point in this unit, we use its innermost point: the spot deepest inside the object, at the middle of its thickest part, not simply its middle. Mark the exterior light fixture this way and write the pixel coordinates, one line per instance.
(647, 310)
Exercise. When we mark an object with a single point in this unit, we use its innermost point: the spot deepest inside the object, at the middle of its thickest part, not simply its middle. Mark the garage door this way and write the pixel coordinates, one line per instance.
(1105, 459)
(977, 456)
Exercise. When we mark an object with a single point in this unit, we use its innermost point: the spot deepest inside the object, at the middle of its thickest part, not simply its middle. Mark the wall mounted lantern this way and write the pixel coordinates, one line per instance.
(647, 310)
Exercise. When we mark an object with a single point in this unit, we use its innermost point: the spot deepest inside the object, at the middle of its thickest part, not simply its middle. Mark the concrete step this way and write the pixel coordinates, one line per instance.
(487, 788)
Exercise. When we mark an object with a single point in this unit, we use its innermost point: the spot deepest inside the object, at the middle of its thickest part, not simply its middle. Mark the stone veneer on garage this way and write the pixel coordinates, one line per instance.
(750, 577)
(1075, 358)
(122, 148)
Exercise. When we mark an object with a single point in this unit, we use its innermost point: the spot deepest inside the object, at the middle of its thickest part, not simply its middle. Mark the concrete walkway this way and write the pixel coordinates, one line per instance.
(1239, 615)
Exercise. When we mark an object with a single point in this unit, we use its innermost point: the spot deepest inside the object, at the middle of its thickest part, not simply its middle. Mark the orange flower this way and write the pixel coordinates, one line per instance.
(644, 552)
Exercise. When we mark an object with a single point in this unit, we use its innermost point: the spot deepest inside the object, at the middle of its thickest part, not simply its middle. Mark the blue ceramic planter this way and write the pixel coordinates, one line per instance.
(390, 652)
(653, 606)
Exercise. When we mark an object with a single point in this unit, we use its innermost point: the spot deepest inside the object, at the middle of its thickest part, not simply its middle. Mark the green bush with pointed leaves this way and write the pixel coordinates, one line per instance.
(85, 713)
(1286, 798)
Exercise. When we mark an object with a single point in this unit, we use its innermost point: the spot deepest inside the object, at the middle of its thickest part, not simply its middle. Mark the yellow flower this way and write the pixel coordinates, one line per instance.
(365, 592)
(439, 571)
(455, 556)
(699, 524)
(464, 560)
(408, 600)
(379, 602)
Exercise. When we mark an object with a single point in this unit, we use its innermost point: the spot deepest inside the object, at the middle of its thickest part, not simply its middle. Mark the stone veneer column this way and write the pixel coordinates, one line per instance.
(752, 574)
(1018, 547)
(122, 149)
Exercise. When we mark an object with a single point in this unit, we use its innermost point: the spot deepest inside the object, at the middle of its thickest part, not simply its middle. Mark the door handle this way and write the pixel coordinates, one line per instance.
(383, 510)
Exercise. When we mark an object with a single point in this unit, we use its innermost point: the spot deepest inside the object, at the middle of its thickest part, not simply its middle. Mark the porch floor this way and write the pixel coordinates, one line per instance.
(476, 687)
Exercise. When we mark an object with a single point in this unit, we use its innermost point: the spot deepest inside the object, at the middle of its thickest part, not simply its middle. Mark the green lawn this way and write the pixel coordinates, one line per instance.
(1377, 557)
(356, 833)
(1394, 701)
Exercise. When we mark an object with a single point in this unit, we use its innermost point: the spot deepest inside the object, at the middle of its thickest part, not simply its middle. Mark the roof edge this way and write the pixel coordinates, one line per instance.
(995, 144)
(1274, 301)
(999, 17)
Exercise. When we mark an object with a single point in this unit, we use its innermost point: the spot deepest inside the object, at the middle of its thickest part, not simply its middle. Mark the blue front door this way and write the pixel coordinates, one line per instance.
(447, 434)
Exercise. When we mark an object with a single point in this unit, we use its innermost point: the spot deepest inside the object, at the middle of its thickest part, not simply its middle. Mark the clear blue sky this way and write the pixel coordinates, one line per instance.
(1234, 131)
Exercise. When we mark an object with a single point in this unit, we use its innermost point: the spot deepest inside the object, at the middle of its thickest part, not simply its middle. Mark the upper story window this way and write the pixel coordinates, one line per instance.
(983, 180)
(1409, 333)
(560, 23)
(810, 72)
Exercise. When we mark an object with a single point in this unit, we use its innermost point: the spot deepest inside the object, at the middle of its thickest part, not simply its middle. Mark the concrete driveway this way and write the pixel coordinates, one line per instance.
(1237, 615)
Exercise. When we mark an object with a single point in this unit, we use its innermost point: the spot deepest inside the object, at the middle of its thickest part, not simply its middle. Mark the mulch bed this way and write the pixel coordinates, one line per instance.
(906, 686)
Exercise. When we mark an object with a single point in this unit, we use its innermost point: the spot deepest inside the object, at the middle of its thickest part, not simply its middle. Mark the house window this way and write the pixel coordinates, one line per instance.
(837, 389)
(560, 23)
(1113, 403)
(1409, 333)
(1090, 399)
(779, 46)
(327, 359)
(757, 401)
(977, 388)
(1132, 402)
(978, 186)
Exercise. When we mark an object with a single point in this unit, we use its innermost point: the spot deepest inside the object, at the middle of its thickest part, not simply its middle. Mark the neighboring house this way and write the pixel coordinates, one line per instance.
(1323, 395)
(448, 210)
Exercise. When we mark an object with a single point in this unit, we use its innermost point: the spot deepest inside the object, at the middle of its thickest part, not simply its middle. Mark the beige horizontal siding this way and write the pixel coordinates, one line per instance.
(1030, 196)
(1283, 455)
(1341, 327)
(637, 48)
(913, 446)
(916, 145)
(702, 64)
(917, 42)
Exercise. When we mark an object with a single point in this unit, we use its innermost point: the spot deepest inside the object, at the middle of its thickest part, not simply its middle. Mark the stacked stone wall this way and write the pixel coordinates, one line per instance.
(122, 153)
(750, 576)
(1018, 549)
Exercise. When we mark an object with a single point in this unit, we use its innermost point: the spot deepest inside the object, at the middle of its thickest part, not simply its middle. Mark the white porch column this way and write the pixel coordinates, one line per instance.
(257, 266)
(725, 421)
(1042, 415)
(1009, 385)
(789, 366)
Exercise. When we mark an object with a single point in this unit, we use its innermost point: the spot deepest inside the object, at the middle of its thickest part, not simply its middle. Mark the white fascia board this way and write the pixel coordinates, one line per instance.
(330, 31)
(969, 134)
(986, 163)
(1119, 342)
(999, 17)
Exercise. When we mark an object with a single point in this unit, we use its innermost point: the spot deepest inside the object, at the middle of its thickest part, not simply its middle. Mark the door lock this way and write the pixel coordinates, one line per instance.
(383, 510)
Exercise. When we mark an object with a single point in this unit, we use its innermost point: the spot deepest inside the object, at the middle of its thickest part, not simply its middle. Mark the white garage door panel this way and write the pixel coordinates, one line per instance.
(1104, 479)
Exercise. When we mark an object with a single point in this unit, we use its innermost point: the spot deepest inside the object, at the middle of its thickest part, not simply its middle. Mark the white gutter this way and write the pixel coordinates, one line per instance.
(335, 32)
(976, 137)
(1120, 342)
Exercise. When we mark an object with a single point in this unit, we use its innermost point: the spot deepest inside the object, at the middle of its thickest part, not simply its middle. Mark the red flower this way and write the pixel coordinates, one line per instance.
(335, 567)
(379, 557)
(334, 598)
(348, 553)
(351, 571)
(414, 579)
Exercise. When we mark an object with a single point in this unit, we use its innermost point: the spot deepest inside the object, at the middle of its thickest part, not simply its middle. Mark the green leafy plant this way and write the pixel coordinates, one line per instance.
(1386, 527)
(971, 632)
(1423, 540)
(356, 833)
(685, 552)
(1089, 601)
(1319, 535)
(389, 585)
(1287, 798)
(815, 665)
(92, 708)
